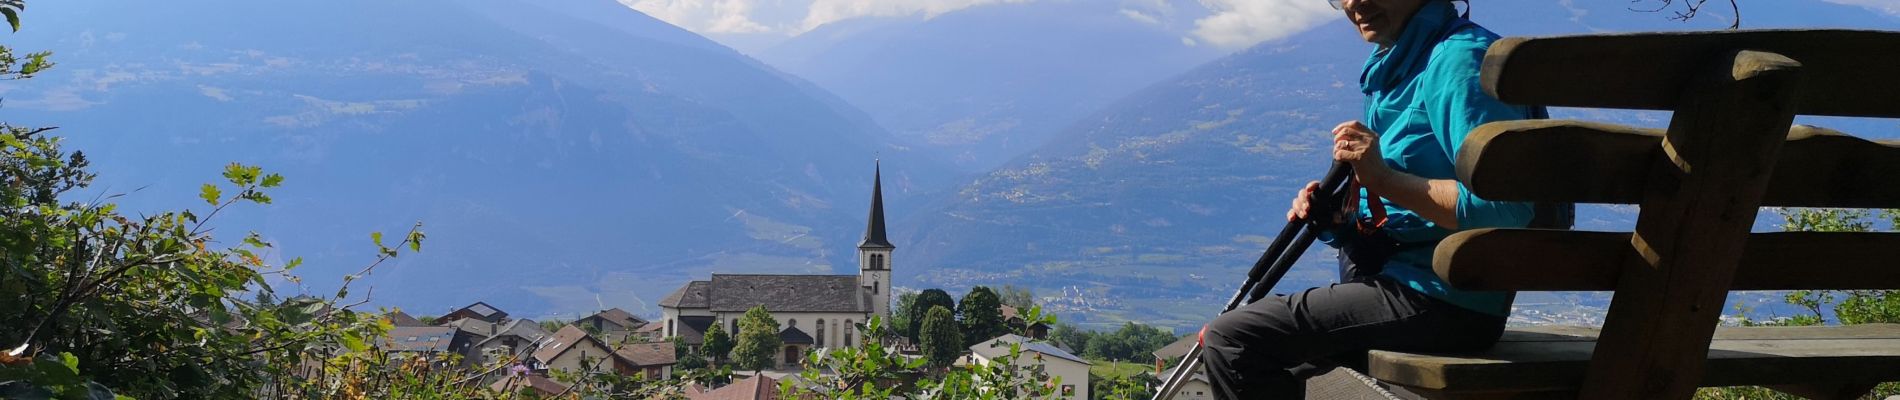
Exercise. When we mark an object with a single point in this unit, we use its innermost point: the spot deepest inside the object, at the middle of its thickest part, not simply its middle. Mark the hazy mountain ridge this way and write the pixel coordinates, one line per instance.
(556, 160)
(986, 83)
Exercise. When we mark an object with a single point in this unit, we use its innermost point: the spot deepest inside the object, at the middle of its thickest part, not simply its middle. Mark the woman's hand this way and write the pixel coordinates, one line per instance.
(1358, 145)
(1303, 205)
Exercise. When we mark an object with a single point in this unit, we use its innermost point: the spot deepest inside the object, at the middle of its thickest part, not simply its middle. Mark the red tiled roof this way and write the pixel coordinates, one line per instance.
(758, 387)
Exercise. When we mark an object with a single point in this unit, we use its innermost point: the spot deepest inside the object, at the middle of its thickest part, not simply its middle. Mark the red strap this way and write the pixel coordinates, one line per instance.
(1376, 207)
(1201, 338)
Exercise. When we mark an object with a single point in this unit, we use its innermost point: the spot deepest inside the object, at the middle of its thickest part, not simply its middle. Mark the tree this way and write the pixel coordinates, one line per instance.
(687, 359)
(942, 339)
(716, 345)
(758, 340)
(929, 298)
(982, 316)
(902, 315)
(1019, 297)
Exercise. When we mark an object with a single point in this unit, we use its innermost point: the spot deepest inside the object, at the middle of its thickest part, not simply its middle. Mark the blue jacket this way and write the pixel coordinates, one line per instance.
(1423, 97)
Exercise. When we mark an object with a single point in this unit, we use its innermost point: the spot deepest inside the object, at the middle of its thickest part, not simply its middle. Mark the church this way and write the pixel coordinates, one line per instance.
(813, 311)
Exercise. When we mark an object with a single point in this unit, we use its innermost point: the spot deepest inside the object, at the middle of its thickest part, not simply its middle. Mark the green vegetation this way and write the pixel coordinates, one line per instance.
(1132, 342)
(902, 316)
(925, 301)
(942, 340)
(1019, 297)
(758, 340)
(1848, 307)
(981, 314)
(717, 345)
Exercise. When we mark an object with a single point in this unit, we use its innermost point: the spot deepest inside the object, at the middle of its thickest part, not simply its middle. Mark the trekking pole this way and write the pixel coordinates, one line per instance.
(1273, 265)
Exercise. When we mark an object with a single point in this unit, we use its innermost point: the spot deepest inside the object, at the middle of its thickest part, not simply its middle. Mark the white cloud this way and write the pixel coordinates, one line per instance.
(1891, 7)
(828, 11)
(1140, 17)
(1242, 23)
(704, 16)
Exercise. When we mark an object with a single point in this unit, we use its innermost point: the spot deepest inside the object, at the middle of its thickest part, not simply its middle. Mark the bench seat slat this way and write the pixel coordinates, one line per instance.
(1553, 358)
(1584, 162)
(1648, 70)
(1493, 259)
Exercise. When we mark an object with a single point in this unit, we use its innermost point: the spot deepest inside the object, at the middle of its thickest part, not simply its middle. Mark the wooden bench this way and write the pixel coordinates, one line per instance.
(1730, 149)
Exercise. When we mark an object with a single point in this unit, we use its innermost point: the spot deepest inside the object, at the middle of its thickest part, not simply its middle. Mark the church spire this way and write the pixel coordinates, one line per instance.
(874, 227)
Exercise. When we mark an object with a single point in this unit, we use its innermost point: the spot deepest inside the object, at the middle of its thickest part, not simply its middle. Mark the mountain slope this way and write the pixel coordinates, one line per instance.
(562, 154)
(987, 83)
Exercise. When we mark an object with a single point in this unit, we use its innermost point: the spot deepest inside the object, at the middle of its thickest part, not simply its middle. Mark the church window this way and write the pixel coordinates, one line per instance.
(874, 287)
(877, 261)
(847, 333)
(821, 332)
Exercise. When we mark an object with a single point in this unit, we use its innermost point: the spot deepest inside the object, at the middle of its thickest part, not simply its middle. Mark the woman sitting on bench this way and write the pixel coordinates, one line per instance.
(1422, 97)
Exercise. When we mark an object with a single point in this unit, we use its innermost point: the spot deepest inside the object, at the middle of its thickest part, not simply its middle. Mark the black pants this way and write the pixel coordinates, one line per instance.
(1267, 349)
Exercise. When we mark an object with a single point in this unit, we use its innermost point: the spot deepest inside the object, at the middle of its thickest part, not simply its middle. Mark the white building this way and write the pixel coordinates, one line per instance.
(1196, 387)
(1072, 369)
(813, 311)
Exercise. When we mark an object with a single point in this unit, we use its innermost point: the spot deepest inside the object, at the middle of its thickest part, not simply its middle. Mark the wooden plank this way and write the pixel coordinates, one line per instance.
(1849, 72)
(1493, 259)
(1584, 162)
(1697, 210)
(1737, 356)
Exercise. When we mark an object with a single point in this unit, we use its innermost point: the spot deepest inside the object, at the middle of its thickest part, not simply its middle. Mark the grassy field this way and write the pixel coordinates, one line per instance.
(1116, 369)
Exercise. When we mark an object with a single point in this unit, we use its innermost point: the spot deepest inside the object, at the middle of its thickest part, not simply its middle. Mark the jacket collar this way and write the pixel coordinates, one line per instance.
(1388, 66)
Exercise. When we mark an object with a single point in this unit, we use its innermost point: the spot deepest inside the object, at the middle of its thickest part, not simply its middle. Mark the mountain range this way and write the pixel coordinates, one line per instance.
(571, 155)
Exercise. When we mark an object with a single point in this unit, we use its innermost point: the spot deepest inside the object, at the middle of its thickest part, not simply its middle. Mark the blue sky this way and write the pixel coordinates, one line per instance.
(1223, 23)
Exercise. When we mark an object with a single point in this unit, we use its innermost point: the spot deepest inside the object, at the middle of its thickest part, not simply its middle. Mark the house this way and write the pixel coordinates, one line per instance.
(1013, 317)
(479, 310)
(517, 338)
(1196, 387)
(572, 350)
(614, 323)
(813, 311)
(427, 341)
(651, 359)
(540, 384)
(757, 387)
(1174, 351)
(1072, 369)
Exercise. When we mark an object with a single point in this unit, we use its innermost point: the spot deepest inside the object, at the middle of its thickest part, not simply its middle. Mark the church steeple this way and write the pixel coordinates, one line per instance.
(874, 227)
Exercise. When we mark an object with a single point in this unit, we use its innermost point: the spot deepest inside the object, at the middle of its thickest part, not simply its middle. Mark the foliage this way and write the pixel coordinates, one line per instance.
(942, 339)
(875, 371)
(1020, 297)
(902, 315)
(758, 340)
(717, 344)
(1128, 387)
(869, 371)
(1132, 342)
(929, 298)
(981, 315)
(684, 357)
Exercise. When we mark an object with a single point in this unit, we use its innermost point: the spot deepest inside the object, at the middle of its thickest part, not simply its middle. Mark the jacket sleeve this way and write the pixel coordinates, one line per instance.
(1458, 105)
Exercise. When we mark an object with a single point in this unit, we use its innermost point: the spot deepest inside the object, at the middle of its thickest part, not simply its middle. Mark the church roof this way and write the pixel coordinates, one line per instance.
(690, 295)
(874, 226)
(787, 293)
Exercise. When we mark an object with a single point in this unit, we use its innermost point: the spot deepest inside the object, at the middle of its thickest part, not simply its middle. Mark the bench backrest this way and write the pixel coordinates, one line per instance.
(1730, 149)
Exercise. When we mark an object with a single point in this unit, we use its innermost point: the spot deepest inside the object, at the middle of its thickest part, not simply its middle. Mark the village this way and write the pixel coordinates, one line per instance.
(703, 329)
